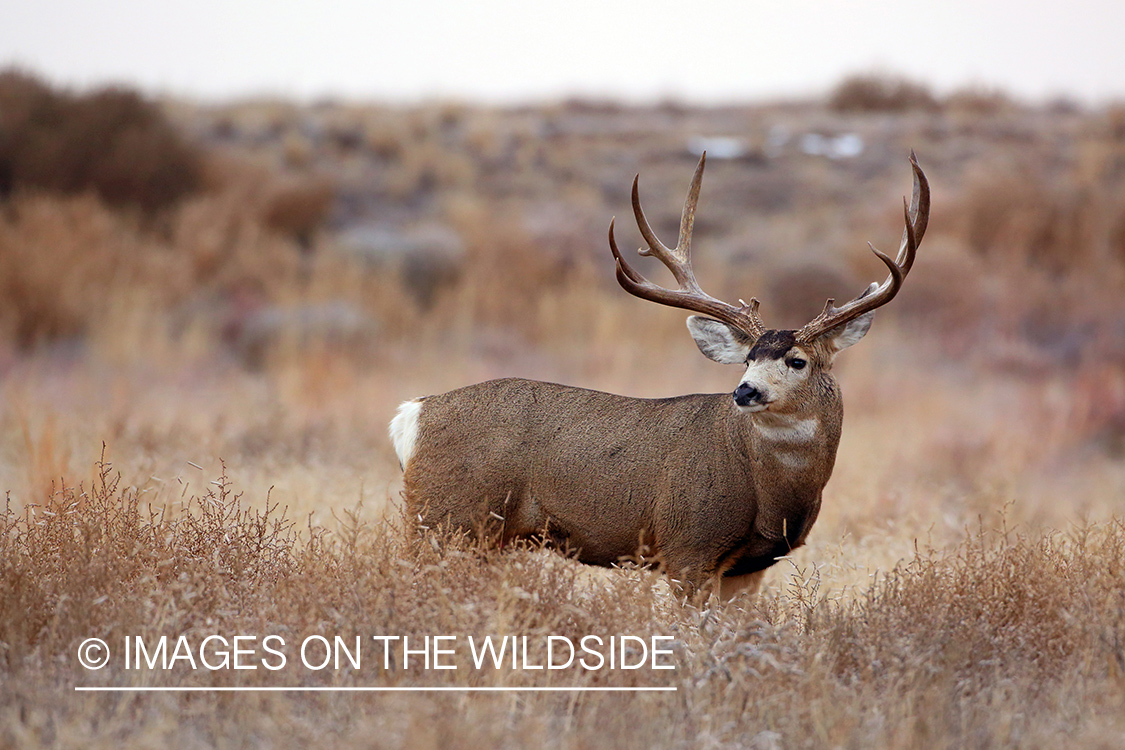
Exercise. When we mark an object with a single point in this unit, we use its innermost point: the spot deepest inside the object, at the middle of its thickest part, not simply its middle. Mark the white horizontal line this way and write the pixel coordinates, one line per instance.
(366, 689)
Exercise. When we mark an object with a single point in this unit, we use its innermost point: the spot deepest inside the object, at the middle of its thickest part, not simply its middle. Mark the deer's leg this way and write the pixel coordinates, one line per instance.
(732, 587)
(686, 574)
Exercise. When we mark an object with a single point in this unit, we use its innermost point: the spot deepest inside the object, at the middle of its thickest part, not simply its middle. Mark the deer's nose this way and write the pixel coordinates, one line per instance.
(746, 394)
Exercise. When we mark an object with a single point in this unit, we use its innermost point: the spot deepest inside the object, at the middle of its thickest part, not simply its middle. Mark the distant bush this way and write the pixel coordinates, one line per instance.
(299, 208)
(1115, 122)
(880, 93)
(111, 141)
(979, 101)
(1058, 224)
(61, 257)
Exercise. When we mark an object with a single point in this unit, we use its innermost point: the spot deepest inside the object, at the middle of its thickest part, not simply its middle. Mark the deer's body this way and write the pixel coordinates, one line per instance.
(737, 491)
(715, 488)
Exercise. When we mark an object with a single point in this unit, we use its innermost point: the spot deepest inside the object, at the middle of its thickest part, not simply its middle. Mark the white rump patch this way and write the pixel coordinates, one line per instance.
(404, 430)
(782, 429)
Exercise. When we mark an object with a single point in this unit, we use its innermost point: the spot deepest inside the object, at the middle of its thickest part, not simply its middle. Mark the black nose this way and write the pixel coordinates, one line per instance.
(746, 394)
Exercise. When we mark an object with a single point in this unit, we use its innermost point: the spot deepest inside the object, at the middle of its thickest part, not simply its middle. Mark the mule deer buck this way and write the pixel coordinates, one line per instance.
(716, 487)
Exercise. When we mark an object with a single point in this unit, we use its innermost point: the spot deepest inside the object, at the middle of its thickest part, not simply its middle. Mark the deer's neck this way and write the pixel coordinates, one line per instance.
(791, 458)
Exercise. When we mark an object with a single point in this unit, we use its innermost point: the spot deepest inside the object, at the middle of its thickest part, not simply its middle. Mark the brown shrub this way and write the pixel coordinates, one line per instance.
(78, 265)
(978, 101)
(1099, 409)
(62, 258)
(880, 93)
(1115, 122)
(299, 207)
(1062, 225)
(112, 142)
(71, 263)
(505, 274)
(994, 626)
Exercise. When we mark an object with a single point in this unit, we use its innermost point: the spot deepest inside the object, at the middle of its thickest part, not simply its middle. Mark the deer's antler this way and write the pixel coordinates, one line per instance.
(689, 296)
(917, 216)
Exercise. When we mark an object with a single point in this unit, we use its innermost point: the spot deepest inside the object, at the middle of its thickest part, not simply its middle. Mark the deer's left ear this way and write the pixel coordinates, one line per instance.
(844, 336)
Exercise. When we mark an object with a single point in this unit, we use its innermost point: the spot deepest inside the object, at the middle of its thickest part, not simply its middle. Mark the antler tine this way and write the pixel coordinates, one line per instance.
(916, 215)
(678, 260)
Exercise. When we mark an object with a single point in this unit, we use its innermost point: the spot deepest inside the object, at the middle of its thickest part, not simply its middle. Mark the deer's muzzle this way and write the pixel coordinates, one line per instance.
(749, 396)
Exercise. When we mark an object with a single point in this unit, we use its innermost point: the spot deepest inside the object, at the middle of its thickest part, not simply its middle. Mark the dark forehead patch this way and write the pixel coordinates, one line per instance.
(773, 345)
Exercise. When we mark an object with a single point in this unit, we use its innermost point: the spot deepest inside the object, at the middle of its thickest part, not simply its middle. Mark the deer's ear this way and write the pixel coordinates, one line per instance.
(718, 341)
(851, 332)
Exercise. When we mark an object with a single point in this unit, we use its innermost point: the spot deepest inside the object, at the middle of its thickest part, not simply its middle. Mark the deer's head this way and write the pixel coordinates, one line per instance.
(784, 368)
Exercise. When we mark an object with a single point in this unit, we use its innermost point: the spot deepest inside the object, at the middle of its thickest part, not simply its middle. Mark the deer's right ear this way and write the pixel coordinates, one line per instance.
(718, 341)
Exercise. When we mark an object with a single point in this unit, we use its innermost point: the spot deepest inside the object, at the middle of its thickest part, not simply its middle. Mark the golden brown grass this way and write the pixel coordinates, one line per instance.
(963, 587)
(1004, 639)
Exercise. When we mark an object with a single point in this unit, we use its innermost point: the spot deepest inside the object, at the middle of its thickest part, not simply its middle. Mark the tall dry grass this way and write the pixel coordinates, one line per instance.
(1004, 639)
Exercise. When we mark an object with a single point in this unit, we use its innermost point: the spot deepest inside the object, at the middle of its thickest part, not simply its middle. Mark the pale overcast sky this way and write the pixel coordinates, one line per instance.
(507, 51)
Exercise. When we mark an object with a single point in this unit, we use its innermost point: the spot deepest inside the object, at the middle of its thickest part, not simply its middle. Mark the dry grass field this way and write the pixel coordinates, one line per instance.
(194, 395)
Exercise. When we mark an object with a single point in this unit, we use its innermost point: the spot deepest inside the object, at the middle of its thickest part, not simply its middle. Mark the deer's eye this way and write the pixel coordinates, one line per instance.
(797, 363)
